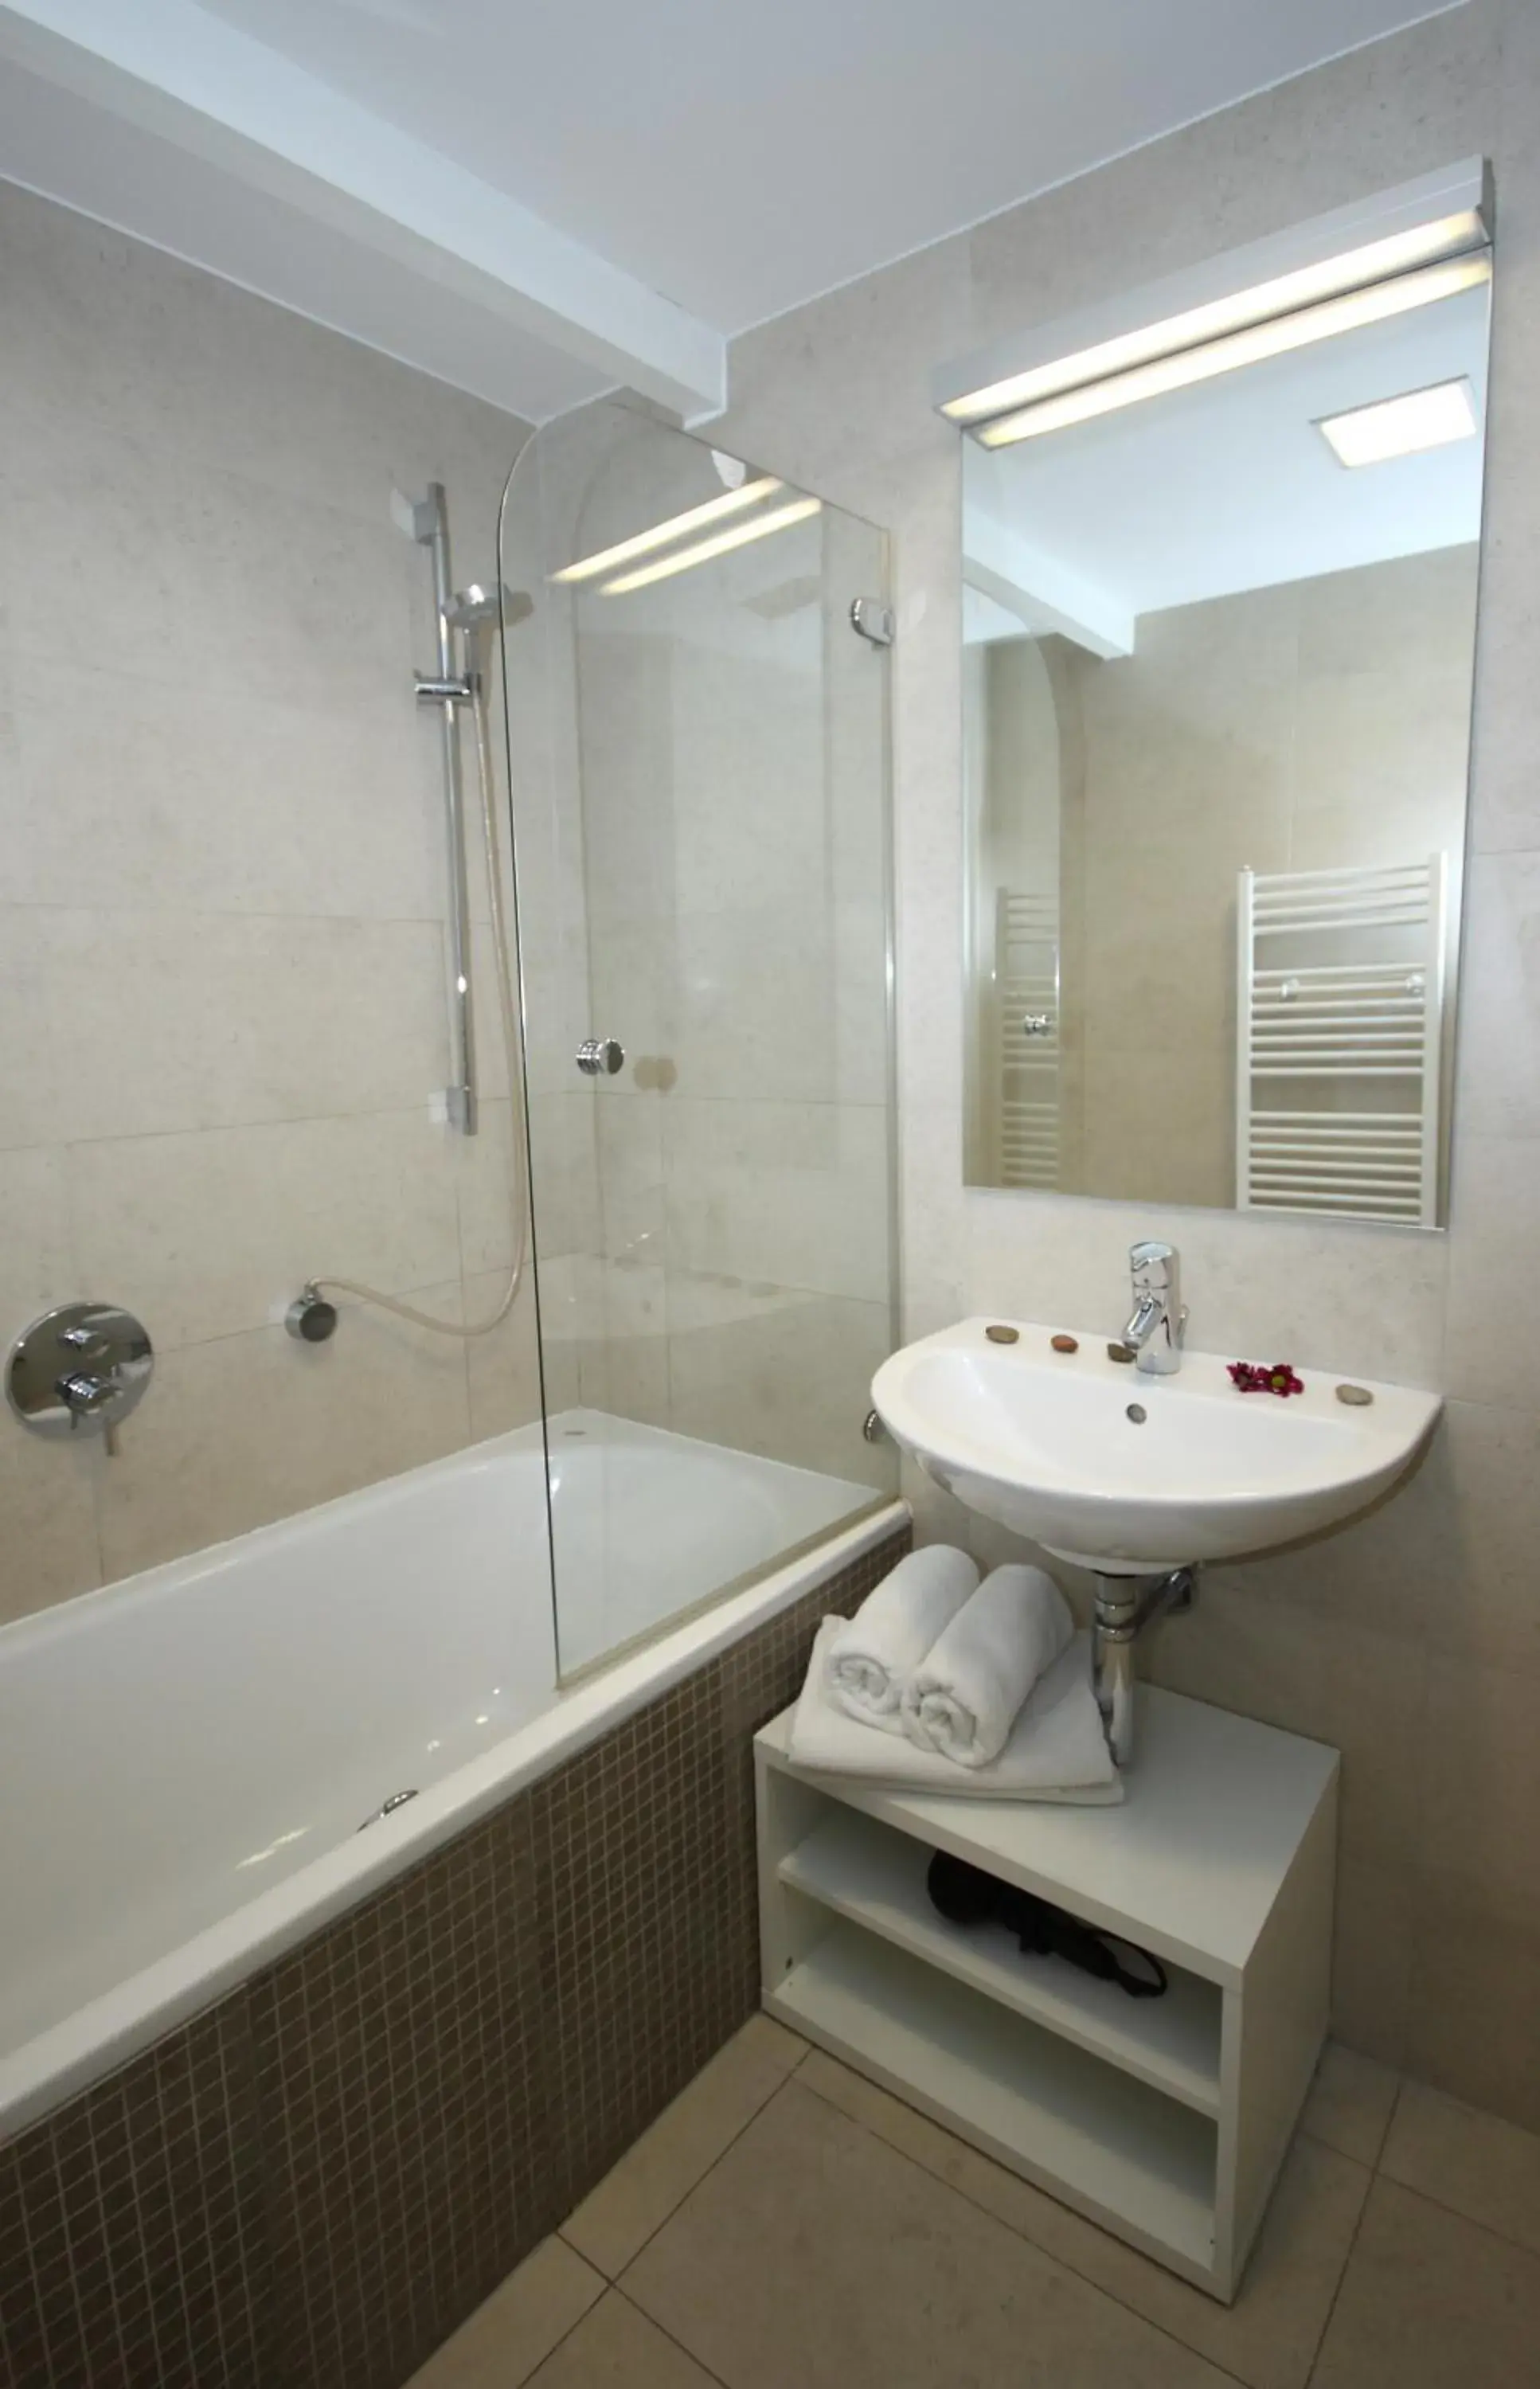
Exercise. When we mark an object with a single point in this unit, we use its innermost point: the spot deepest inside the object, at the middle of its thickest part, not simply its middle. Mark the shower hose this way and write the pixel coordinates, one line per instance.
(517, 1206)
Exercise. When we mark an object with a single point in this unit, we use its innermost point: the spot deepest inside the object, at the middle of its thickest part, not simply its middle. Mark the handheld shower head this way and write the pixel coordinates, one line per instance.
(477, 608)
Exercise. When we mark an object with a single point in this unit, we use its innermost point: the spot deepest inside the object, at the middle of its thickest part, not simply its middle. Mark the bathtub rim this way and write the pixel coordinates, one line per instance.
(104, 2034)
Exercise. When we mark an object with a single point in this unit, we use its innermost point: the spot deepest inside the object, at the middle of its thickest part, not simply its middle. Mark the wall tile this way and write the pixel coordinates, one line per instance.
(772, 1370)
(933, 1248)
(1475, 1993)
(1497, 1089)
(225, 374)
(629, 1131)
(502, 1369)
(1494, 1336)
(1359, 1300)
(215, 1231)
(251, 1427)
(155, 1022)
(222, 882)
(1481, 1783)
(227, 800)
(37, 1259)
(794, 1192)
(491, 1173)
(1480, 1595)
(49, 1549)
(217, 553)
(1374, 1950)
(1327, 1678)
(634, 1315)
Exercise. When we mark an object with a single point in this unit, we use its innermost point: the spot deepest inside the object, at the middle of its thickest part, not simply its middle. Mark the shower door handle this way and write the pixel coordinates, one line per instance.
(600, 1056)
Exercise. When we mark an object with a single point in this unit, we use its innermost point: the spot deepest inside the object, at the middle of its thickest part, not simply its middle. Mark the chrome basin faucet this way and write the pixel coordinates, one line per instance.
(1154, 1333)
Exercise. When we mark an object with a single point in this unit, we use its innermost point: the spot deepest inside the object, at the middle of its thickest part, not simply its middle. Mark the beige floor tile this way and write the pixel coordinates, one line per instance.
(1483, 2167)
(1432, 2302)
(1350, 2103)
(1267, 2338)
(642, 2191)
(813, 2254)
(516, 2328)
(616, 2348)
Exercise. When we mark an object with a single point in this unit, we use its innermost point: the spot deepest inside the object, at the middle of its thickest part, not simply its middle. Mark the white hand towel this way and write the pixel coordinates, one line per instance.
(871, 1657)
(962, 1699)
(1057, 1751)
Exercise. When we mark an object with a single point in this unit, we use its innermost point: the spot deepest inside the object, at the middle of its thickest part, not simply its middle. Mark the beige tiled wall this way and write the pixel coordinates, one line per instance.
(1412, 1637)
(222, 958)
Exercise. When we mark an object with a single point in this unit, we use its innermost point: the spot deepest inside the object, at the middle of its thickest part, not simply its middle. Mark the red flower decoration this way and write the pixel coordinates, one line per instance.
(1249, 1378)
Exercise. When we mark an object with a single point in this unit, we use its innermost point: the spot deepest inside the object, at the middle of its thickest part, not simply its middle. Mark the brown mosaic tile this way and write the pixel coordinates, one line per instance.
(131, 2241)
(312, 2184)
(404, 2111)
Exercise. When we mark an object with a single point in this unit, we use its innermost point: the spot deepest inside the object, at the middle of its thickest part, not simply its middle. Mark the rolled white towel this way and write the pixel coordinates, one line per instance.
(1057, 1750)
(874, 1654)
(963, 1700)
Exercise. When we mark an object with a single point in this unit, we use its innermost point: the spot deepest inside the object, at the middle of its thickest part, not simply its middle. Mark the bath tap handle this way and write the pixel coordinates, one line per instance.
(89, 1342)
(83, 1364)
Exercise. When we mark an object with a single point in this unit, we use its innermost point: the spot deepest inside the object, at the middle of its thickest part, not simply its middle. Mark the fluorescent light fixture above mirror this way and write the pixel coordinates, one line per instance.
(1425, 245)
(1299, 330)
(663, 534)
(1358, 265)
(706, 550)
(1418, 420)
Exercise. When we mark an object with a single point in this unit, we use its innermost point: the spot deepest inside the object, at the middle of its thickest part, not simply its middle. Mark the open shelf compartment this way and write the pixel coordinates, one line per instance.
(876, 1877)
(1139, 2161)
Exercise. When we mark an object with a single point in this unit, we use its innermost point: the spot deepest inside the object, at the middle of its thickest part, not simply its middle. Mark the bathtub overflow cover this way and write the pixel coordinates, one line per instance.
(396, 1800)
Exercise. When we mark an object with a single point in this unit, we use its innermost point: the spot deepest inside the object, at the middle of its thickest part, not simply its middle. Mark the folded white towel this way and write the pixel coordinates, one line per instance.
(871, 1657)
(961, 1700)
(1057, 1750)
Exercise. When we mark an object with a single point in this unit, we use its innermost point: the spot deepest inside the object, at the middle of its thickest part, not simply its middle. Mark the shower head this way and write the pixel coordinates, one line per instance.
(476, 608)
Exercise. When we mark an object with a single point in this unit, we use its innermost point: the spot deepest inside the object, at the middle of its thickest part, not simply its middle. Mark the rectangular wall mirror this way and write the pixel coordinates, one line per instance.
(1218, 653)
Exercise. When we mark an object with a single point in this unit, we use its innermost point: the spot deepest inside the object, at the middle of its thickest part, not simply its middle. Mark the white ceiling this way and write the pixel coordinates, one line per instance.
(736, 159)
(741, 158)
(1229, 485)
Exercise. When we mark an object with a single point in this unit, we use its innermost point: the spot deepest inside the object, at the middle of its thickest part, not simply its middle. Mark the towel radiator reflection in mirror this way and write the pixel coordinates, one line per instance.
(1026, 1000)
(1339, 1033)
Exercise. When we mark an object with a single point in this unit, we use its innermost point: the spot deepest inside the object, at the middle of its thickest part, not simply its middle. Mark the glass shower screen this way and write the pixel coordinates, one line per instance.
(698, 763)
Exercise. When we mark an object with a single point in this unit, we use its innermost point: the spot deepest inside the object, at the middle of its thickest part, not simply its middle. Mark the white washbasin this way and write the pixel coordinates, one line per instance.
(1043, 1442)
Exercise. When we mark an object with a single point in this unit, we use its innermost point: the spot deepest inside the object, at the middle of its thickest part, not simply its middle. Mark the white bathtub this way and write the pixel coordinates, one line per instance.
(185, 1758)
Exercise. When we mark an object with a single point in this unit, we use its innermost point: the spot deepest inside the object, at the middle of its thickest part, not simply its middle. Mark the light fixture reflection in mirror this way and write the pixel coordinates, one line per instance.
(1217, 695)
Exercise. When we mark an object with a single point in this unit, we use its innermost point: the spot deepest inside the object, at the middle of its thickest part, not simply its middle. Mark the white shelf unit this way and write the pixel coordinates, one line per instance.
(1163, 2120)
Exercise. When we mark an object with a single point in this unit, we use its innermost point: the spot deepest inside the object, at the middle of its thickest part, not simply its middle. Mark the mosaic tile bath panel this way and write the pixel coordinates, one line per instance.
(311, 2184)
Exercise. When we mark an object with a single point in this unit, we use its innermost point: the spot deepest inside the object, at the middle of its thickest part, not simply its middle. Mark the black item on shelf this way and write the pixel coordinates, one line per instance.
(965, 1895)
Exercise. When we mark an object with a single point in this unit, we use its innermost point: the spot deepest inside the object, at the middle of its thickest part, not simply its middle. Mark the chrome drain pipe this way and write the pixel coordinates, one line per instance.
(1125, 1606)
